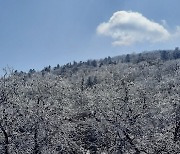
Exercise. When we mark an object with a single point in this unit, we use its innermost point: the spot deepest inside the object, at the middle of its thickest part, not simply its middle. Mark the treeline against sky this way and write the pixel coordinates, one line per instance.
(120, 105)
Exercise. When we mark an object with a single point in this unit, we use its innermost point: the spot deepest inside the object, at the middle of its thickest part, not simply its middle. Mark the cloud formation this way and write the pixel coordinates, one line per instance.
(127, 27)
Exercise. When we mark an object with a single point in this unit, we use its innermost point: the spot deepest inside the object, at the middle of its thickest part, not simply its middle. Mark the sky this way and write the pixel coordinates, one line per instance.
(38, 33)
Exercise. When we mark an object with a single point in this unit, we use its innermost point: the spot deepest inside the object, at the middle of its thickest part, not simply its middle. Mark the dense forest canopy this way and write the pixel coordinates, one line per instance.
(127, 104)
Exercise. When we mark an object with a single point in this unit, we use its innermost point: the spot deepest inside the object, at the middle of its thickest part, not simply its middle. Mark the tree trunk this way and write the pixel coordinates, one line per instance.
(176, 132)
(6, 140)
(36, 144)
(131, 142)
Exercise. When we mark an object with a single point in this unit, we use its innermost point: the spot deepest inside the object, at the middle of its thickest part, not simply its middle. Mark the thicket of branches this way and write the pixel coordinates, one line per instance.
(109, 106)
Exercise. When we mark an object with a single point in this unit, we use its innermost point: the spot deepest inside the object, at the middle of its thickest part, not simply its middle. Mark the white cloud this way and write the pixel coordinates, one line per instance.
(127, 27)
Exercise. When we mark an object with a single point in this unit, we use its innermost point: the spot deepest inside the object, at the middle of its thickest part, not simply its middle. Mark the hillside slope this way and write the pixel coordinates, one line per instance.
(121, 105)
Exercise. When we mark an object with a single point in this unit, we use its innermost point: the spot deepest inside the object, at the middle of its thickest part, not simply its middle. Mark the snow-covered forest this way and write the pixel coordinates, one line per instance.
(127, 104)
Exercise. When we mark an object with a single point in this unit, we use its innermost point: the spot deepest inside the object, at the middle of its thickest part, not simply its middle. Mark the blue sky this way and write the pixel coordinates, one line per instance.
(38, 33)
